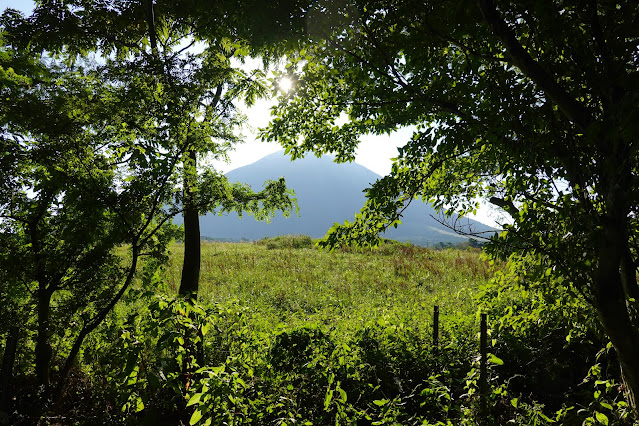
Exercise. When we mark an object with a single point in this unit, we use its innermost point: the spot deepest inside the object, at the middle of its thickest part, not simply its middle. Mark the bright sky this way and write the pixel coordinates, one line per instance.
(373, 152)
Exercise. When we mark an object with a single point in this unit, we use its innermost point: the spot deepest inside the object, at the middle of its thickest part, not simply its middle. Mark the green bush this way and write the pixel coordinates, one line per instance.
(287, 242)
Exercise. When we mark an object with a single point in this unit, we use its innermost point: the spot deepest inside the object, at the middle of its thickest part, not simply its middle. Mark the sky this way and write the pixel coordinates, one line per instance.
(374, 152)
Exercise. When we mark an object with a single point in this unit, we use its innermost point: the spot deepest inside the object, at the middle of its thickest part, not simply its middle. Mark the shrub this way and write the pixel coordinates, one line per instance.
(287, 242)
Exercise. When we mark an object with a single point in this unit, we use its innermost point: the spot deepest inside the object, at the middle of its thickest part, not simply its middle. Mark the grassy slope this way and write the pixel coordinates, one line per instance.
(307, 284)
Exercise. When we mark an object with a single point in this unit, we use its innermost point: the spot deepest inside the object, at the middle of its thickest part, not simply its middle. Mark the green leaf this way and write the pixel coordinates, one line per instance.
(194, 399)
(197, 415)
(601, 418)
(205, 328)
(328, 399)
(495, 360)
(342, 394)
(139, 405)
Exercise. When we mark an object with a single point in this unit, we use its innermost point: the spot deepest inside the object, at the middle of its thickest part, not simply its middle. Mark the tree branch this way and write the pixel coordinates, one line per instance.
(458, 230)
(150, 19)
(572, 109)
(508, 206)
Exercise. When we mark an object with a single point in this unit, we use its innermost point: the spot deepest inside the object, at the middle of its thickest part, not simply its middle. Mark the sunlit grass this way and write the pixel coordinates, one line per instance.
(343, 288)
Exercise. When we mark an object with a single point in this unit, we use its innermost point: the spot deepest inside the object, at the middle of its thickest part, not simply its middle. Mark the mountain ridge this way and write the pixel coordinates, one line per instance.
(327, 193)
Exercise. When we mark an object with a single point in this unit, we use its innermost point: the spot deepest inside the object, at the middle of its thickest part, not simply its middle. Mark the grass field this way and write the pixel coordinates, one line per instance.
(305, 336)
(343, 287)
(304, 326)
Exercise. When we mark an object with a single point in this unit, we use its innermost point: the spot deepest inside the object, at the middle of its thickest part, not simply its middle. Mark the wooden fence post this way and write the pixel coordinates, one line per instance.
(436, 328)
(483, 370)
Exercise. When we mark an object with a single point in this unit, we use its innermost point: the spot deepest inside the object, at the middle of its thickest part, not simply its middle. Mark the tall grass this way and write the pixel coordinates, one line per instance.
(343, 287)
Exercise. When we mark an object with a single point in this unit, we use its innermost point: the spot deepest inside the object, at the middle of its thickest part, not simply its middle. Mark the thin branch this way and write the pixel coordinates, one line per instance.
(188, 46)
(460, 231)
(94, 322)
(572, 109)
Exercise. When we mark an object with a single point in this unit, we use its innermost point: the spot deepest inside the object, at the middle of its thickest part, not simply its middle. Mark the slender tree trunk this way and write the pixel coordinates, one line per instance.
(43, 349)
(189, 285)
(93, 324)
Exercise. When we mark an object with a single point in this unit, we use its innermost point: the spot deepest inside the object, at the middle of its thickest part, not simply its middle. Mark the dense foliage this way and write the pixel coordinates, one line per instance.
(100, 140)
(109, 107)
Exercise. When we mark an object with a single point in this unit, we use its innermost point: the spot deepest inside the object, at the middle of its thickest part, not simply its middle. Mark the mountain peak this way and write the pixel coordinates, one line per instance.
(327, 192)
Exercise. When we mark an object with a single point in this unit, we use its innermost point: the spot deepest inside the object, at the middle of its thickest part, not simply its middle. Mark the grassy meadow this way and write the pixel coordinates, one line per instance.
(286, 334)
(343, 288)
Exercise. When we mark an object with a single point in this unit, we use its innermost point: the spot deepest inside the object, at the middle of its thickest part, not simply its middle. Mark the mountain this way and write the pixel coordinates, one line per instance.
(327, 193)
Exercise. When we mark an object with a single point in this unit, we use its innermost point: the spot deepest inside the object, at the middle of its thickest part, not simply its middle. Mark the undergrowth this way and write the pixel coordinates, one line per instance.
(286, 334)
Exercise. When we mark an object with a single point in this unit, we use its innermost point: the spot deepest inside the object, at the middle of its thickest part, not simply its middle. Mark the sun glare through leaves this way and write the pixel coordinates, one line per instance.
(285, 84)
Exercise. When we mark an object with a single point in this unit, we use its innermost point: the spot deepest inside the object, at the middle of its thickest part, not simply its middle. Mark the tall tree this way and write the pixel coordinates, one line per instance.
(531, 105)
(94, 153)
(159, 38)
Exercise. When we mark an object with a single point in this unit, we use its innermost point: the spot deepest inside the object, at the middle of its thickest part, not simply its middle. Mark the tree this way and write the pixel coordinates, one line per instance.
(531, 105)
(205, 87)
(66, 205)
(95, 152)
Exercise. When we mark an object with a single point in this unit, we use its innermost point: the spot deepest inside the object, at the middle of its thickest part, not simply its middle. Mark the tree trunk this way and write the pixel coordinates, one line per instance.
(43, 349)
(189, 285)
(611, 304)
(93, 324)
(6, 374)
(613, 314)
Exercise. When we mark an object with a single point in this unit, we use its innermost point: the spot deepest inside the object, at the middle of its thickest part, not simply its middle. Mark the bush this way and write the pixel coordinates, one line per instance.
(287, 242)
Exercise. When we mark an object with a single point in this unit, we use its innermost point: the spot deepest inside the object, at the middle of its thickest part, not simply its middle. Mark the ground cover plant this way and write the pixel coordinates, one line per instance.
(286, 334)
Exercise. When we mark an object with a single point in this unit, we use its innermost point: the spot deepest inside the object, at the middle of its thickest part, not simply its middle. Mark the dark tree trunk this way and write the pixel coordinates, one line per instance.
(43, 345)
(611, 299)
(613, 314)
(6, 374)
(189, 285)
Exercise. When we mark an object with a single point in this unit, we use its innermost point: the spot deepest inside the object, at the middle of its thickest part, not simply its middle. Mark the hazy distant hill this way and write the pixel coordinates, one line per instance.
(326, 193)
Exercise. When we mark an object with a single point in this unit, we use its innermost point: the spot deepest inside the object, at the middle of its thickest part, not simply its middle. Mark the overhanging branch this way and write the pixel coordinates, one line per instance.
(573, 110)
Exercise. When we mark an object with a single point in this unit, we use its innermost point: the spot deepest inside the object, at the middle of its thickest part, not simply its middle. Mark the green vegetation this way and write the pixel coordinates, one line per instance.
(300, 284)
(97, 154)
(109, 108)
(529, 105)
(287, 334)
